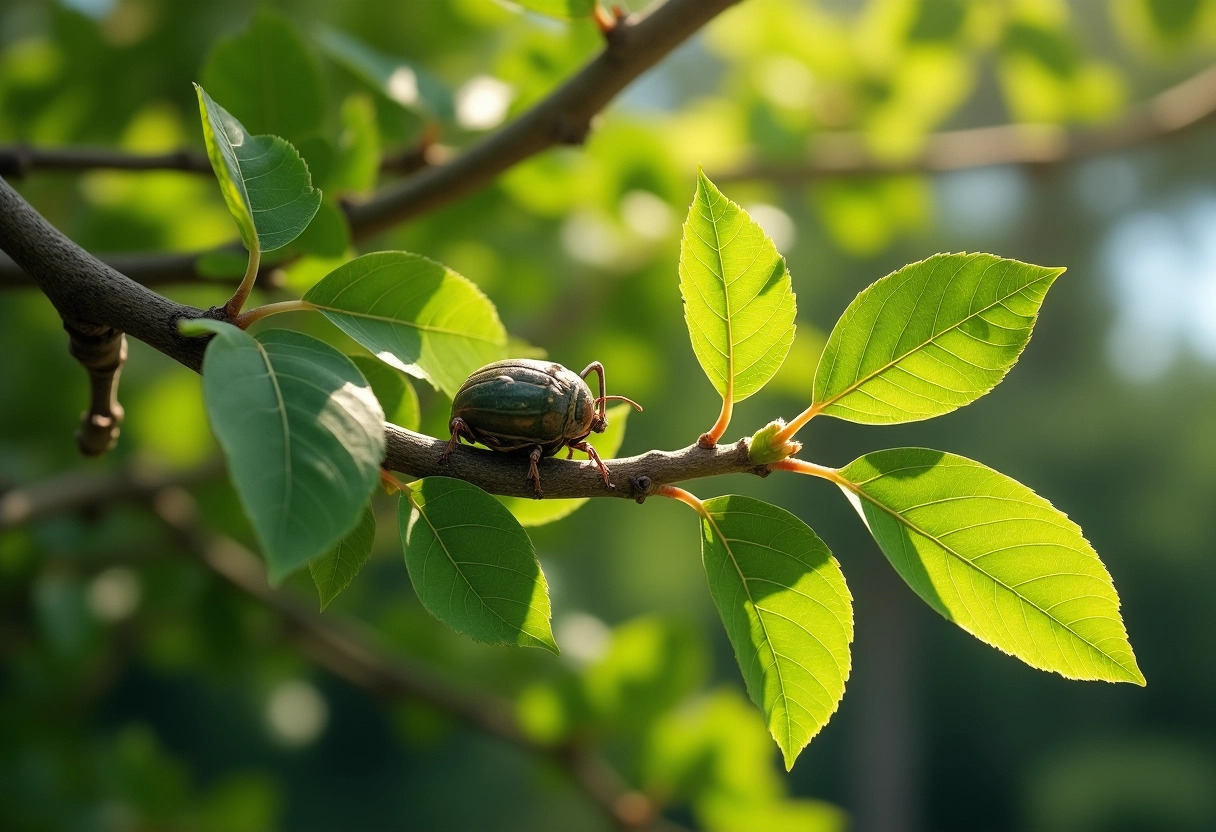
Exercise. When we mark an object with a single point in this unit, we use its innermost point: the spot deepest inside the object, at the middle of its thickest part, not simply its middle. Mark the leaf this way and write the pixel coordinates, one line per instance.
(333, 571)
(393, 390)
(559, 8)
(328, 235)
(357, 167)
(401, 82)
(302, 433)
(607, 444)
(995, 558)
(264, 181)
(415, 314)
(786, 610)
(473, 565)
(269, 78)
(737, 297)
(929, 338)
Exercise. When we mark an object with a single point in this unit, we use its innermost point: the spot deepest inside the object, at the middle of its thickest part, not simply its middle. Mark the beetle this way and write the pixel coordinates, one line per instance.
(522, 405)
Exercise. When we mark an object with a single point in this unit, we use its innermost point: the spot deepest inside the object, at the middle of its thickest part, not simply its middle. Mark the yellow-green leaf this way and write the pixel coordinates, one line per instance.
(787, 612)
(929, 338)
(738, 301)
(995, 558)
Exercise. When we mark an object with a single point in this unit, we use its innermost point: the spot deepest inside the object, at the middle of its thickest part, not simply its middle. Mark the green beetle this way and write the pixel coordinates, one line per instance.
(535, 407)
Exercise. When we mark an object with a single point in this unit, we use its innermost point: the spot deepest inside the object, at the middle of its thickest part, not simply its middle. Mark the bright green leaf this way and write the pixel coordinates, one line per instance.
(393, 390)
(414, 313)
(995, 558)
(929, 338)
(264, 181)
(333, 571)
(269, 78)
(404, 83)
(787, 612)
(531, 512)
(559, 8)
(473, 565)
(302, 433)
(738, 302)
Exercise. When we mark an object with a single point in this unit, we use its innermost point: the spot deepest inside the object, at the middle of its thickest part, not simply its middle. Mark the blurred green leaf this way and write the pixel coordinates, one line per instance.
(302, 433)
(929, 338)
(357, 167)
(264, 181)
(539, 512)
(328, 235)
(393, 390)
(333, 571)
(995, 558)
(404, 83)
(269, 78)
(473, 565)
(738, 302)
(559, 8)
(414, 313)
(786, 609)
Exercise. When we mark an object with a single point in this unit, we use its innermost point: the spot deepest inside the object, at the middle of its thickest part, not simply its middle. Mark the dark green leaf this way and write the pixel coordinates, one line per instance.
(264, 181)
(302, 433)
(787, 612)
(393, 390)
(995, 558)
(400, 81)
(334, 570)
(473, 565)
(268, 77)
(414, 313)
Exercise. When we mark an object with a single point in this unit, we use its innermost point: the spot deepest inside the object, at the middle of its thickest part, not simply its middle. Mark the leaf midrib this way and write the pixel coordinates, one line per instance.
(915, 528)
(730, 343)
(826, 403)
(397, 321)
(282, 407)
(768, 642)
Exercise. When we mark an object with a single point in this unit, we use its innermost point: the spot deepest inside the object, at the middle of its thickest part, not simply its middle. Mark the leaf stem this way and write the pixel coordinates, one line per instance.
(711, 437)
(686, 497)
(797, 423)
(801, 466)
(259, 312)
(391, 483)
(233, 307)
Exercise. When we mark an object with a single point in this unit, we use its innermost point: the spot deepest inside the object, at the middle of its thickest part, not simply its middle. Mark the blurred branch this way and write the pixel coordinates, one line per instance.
(20, 160)
(637, 43)
(838, 155)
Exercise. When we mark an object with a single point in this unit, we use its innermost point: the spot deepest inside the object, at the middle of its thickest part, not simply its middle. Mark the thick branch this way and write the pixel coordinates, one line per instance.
(81, 286)
(86, 291)
(836, 155)
(636, 44)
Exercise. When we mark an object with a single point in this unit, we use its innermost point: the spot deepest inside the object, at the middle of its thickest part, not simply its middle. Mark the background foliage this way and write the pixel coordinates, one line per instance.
(140, 692)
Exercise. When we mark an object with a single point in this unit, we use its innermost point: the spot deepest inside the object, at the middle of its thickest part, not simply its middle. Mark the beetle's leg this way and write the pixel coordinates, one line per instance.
(598, 369)
(459, 428)
(569, 452)
(593, 459)
(533, 472)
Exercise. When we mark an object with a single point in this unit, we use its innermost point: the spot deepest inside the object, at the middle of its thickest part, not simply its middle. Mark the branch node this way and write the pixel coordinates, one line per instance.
(641, 486)
(102, 351)
(571, 130)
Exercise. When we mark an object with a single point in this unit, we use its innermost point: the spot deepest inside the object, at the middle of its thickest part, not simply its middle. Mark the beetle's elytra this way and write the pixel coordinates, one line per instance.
(535, 407)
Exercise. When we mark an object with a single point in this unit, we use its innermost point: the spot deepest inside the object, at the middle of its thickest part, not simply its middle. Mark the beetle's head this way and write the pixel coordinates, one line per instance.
(600, 423)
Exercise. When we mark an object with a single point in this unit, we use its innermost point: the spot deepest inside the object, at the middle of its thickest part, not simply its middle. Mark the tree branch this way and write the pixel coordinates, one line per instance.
(83, 288)
(837, 155)
(638, 42)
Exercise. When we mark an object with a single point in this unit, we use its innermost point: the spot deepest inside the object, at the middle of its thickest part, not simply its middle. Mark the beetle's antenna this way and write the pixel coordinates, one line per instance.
(603, 399)
(597, 368)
